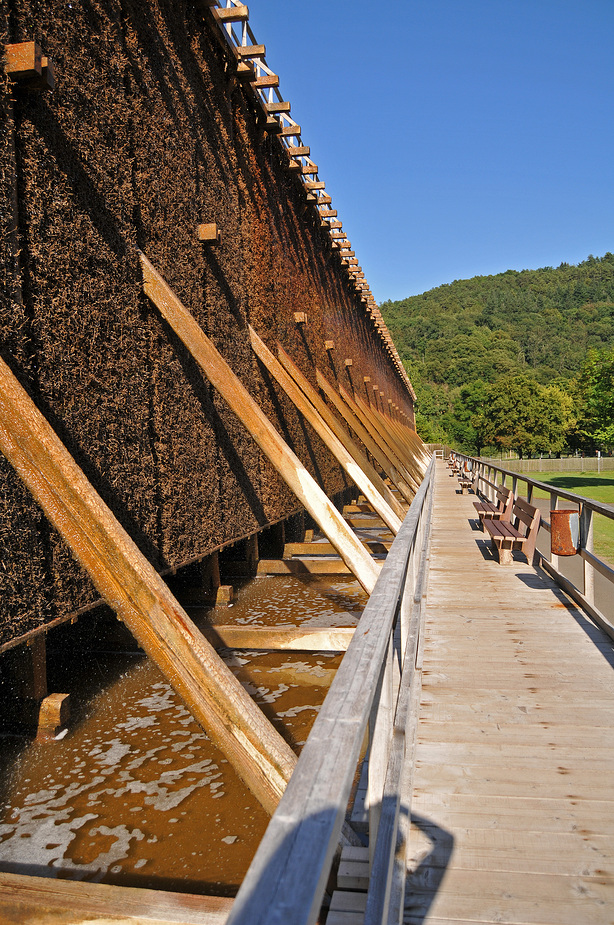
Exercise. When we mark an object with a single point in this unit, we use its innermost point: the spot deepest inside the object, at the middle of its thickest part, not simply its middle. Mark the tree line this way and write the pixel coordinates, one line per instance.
(520, 361)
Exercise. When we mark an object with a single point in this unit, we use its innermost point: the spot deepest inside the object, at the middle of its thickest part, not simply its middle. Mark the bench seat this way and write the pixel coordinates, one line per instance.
(499, 510)
(518, 533)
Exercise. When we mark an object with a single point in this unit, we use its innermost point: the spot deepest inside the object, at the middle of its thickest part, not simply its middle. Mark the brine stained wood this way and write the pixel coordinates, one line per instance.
(513, 801)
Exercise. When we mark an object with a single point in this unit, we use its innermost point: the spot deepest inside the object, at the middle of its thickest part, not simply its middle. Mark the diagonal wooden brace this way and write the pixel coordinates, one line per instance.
(139, 596)
(287, 463)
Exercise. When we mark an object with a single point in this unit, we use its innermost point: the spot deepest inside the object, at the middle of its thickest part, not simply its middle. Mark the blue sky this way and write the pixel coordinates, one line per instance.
(456, 137)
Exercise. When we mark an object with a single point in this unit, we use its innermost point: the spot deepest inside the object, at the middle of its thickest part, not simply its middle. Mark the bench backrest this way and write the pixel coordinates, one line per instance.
(505, 501)
(524, 513)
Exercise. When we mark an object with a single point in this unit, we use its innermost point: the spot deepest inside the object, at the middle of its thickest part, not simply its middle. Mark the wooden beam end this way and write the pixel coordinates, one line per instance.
(208, 233)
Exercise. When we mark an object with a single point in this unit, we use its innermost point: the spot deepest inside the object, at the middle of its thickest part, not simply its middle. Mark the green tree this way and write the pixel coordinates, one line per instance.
(511, 414)
(555, 419)
(524, 416)
(596, 386)
(468, 427)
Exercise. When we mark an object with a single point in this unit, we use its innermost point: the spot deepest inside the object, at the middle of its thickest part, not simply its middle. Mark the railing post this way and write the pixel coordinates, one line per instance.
(380, 737)
(586, 542)
(554, 500)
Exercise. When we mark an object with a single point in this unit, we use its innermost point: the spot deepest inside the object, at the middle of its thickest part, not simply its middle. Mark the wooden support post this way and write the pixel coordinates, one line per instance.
(400, 457)
(332, 442)
(363, 434)
(380, 736)
(135, 591)
(211, 573)
(387, 432)
(363, 413)
(224, 595)
(253, 418)
(53, 716)
(340, 432)
(27, 670)
(251, 553)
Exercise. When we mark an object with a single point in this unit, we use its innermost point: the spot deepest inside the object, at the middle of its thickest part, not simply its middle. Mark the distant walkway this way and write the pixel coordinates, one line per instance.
(513, 788)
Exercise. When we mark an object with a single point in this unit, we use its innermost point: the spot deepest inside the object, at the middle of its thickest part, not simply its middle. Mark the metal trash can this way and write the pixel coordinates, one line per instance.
(564, 533)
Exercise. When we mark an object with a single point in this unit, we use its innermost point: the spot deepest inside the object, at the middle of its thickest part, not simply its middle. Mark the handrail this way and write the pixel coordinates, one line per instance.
(487, 472)
(287, 878)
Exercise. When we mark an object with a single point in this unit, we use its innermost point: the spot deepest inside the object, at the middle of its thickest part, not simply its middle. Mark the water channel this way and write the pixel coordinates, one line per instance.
(133, 793)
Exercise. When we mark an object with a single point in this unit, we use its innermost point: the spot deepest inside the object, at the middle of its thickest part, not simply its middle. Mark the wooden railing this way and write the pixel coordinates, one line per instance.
(490, 475)
(374, 692)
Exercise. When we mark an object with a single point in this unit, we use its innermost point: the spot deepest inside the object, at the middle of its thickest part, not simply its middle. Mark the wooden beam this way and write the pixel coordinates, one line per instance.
(265, 81)
(253, 418)
(330, 439)
(289, 639)
(24, 898)
(363, 434)
(340, 432)
(250, 51)
(290, 131)
(319, 566)
(23, 60)
(406, 449)
(208, 233)
(409, 472)
(272, 125)
(318, 548)
(139, 596)
(277, 106)
(231, 14)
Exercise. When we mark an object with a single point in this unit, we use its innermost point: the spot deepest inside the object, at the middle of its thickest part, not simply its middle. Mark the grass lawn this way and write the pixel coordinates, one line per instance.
(596, 485)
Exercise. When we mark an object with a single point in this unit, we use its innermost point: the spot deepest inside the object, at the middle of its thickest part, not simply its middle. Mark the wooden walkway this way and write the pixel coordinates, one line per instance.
(513, 803)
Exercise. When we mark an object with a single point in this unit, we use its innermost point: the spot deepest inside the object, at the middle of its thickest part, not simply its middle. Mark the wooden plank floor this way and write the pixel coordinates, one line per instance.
(513, 802)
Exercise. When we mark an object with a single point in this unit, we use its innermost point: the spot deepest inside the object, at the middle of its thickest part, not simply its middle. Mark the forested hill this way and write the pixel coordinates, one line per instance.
(536, 323)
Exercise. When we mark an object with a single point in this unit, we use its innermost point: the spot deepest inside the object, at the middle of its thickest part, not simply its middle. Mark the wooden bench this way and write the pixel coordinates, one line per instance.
(465, 479)
(518, 533)
(501, 510)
